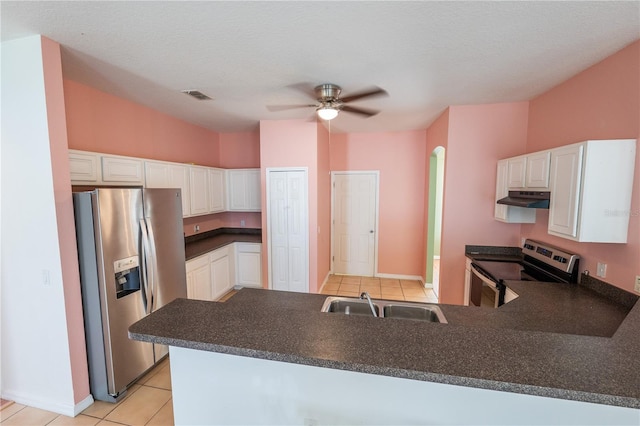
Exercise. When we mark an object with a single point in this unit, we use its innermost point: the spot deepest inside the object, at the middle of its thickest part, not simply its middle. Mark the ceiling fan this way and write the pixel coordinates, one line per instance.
(329, 103)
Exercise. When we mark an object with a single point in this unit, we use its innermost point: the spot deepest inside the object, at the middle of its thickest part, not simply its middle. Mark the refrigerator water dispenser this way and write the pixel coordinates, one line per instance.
(127, 276)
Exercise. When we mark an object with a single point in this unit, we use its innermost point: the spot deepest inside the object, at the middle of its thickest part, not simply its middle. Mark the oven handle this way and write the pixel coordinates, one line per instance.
(498, 286)
(485, 277)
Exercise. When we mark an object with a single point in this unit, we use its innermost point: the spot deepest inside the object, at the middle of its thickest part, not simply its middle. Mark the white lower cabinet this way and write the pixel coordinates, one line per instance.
(222, 270)
(210, 276)
(248, 264)
(199, 278)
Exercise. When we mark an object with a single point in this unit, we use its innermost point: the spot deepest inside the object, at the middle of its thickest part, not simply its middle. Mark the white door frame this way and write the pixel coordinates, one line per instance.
(333, 203)
(268, 171)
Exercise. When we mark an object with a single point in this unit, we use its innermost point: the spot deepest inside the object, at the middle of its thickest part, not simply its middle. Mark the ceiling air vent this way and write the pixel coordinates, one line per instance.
(197, 94)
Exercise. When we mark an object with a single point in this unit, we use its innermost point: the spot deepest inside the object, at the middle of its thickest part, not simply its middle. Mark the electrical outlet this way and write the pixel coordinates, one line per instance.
(637, 286)
(602, 270)
(242, 223)
(196, 228)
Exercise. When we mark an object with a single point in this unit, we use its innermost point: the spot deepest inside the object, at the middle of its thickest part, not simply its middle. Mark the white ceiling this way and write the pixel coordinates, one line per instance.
(247, 55)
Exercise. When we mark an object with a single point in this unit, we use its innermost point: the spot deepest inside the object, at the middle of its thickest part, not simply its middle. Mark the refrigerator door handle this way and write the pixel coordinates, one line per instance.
(154, 264)
(147, 275)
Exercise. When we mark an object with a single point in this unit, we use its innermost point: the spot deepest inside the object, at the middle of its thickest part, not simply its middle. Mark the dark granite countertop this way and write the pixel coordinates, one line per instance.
(542, 343)
(196, 245)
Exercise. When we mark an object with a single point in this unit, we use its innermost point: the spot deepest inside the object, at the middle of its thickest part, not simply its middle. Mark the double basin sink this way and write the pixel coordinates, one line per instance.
(384, 309)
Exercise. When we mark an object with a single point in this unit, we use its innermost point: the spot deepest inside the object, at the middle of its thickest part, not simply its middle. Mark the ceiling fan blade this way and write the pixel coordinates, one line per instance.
(361, 111)
(276, 108)
(375, 91)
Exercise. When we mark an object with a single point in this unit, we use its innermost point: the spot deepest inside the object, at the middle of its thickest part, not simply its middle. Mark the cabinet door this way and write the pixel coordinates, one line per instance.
(566, 172)
(199, 278)
(253, 190)
(248, 264)
(244, 192)
(509, 214)
(220, 272)
(156, 175)
(500, 210)
(217, 192)
(237, 190)
(516, 174)
(83, 167)
(122, 170)
(199, 190)
(537, 175)
(179, 178)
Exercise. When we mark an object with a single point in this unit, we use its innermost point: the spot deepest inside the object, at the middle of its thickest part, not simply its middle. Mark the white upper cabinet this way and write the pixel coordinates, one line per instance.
(217, 190)
(244, 190)
(84, 167)
(122, 170)
(156, 174)
(529, 171)
(504, 213)
(591, 185)
(516, 175)
(179, 178)
(205, 190)
(162, 174)
(199, 190)
(537, 170)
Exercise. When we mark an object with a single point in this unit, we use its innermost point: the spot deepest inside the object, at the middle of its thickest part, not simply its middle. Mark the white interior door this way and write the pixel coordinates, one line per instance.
(354, 222)
(288, 230)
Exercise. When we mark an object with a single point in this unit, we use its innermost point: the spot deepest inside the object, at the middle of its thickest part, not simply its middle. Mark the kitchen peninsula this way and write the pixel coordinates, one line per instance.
(272, 357)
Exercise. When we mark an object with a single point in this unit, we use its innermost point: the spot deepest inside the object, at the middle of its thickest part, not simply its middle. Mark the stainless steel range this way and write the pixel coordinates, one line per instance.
(539, 262)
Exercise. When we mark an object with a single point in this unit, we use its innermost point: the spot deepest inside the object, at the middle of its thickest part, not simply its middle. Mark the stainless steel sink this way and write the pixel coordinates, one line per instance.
(384, 308)
(350, 306)
(423, 313)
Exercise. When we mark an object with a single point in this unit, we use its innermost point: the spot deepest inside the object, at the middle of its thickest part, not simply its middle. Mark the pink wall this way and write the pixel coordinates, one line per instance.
(292, 143)
(140, 131)
(436, 135)
(479, 135)
(64, 216)
(400, 158)
(222, 220)
(602, 102)
(324, 204)
(240, 150)
(146, 133)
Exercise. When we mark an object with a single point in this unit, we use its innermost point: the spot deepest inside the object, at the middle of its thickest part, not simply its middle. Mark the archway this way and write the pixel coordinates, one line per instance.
(434, 220)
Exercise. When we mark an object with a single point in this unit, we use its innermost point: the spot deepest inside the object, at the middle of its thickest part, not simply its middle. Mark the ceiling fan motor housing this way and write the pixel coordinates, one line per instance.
(327, 92)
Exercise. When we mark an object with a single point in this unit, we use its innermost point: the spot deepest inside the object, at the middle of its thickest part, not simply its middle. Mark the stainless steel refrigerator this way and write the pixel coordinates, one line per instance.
(131, 256)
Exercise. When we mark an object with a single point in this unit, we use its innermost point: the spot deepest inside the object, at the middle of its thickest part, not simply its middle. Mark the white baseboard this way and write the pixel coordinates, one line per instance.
(69, 410)
(324, 282)
(401, 277)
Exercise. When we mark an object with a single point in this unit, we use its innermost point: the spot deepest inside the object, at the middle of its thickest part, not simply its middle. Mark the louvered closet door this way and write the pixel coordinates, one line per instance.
(288, 230)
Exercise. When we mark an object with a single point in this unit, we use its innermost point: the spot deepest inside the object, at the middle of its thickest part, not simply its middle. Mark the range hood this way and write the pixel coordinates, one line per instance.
(528, 199)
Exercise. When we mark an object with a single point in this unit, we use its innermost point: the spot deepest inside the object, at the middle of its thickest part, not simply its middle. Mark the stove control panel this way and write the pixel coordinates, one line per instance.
(552, 256)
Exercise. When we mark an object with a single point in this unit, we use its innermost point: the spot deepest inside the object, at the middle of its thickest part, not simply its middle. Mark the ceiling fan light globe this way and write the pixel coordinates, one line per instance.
(327, 113)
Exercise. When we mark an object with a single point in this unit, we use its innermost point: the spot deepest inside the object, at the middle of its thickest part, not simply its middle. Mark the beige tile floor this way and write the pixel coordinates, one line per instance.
(148, 402)
(378, 288)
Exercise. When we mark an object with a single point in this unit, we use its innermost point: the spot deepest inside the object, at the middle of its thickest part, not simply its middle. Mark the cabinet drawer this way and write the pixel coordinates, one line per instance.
(248, 247)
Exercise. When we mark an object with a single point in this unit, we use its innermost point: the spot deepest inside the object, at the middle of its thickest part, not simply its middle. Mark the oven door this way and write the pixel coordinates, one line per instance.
(483, 291)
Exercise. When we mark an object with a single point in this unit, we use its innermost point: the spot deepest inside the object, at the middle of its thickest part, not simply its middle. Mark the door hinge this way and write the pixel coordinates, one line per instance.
(333, 258)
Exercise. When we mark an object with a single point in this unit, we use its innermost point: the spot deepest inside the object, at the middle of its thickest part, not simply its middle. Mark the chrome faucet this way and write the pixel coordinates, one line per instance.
(365, 295)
